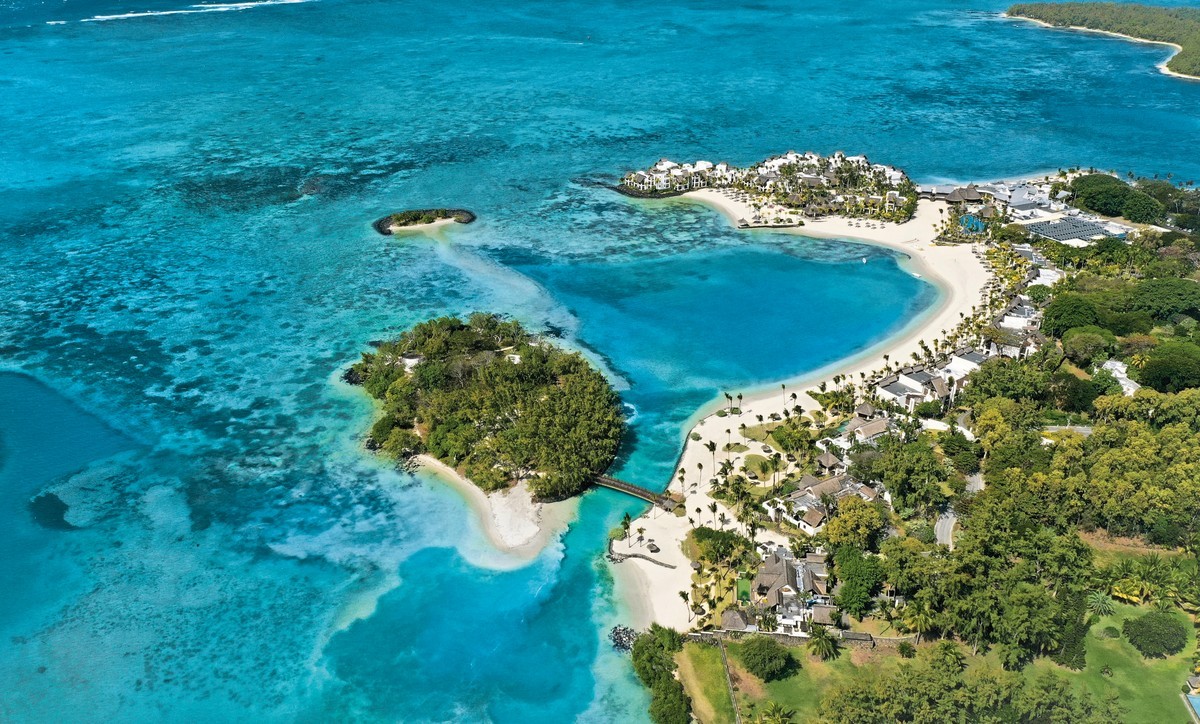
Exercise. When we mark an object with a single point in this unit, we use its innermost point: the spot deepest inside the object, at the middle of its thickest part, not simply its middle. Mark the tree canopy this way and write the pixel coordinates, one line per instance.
(654, 663)
(1171, 25)
(485, 397)
(765, 657)
(1157, 633)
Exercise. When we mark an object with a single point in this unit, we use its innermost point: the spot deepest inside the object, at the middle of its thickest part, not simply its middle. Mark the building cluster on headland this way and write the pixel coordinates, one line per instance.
(788, 189)
(1042, 207)
(800, 184)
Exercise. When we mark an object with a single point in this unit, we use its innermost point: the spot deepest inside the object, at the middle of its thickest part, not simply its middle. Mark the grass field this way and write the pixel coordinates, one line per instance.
(760, 433)
(803, 690)
(1108, 550)
(1149, 688)
(703, 677)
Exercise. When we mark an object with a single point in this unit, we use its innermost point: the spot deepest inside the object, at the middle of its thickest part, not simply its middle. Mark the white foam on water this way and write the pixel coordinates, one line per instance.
(190, 10)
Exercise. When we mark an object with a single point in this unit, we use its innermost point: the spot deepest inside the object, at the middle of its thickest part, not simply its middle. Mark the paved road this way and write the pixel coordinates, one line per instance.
(944, 528)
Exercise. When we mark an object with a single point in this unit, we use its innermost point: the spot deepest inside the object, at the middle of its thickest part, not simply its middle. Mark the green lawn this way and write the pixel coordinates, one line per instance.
(1149, 688)
(703, 677)
(753, 460)
(760, 432)
(803, 690)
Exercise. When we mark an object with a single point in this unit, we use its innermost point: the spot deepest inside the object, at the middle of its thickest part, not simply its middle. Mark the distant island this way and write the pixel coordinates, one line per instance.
(416, 218)
(1179, 27)
(490, 400)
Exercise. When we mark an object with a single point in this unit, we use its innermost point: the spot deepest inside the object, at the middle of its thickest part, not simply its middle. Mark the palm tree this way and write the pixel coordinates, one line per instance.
(625, 523)
(712, 448)
(919, 619)
(948, 653)
(775, 713)
(739, 396)
(712, 508)
(821, 643)
(684, 595)
(699, 473)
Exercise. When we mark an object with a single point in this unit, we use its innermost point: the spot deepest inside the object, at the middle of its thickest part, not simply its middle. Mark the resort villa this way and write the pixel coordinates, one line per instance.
(796, 589)
(790, 185)
(808, 507)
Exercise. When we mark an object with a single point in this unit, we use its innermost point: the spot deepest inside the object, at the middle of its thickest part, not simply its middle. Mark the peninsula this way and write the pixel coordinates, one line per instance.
(415, 219)
(1178, 27)
(785, 190)
(484, 402)
(906, 502)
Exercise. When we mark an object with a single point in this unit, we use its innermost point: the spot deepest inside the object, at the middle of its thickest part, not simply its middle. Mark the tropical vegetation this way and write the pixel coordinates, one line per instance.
(654, 663)
(427, 216)
(1178, 25)
(487, 398)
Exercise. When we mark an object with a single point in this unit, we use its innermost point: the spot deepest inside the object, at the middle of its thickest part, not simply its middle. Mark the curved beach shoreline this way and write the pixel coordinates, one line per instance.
(511, 520)
(1162, 67)
(650, 592)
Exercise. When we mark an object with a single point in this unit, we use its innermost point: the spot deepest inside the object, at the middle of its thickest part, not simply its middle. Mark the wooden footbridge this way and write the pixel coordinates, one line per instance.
(658, 499)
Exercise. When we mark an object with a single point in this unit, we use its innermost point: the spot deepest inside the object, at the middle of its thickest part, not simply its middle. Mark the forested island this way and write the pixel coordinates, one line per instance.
(489, 399)
(392, 223)
(1179, 26)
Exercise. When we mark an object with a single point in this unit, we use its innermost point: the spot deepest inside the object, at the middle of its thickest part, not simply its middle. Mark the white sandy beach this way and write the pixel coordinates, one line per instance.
(511, 520)
(652, 592)
(421, 228)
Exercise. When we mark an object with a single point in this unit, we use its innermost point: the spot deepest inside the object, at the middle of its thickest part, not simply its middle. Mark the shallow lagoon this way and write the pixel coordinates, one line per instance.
(185, 253)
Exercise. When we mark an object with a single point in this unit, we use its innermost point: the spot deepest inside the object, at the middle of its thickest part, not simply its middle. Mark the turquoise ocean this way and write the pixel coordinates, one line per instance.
(187, 264)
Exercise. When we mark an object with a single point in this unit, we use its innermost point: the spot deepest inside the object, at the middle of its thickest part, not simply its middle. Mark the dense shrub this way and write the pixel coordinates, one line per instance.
(766, 658)
(928, 409)
(654, 663)
(1157, 634)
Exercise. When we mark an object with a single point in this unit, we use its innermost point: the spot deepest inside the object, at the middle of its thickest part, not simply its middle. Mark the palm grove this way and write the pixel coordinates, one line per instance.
(487, 398)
